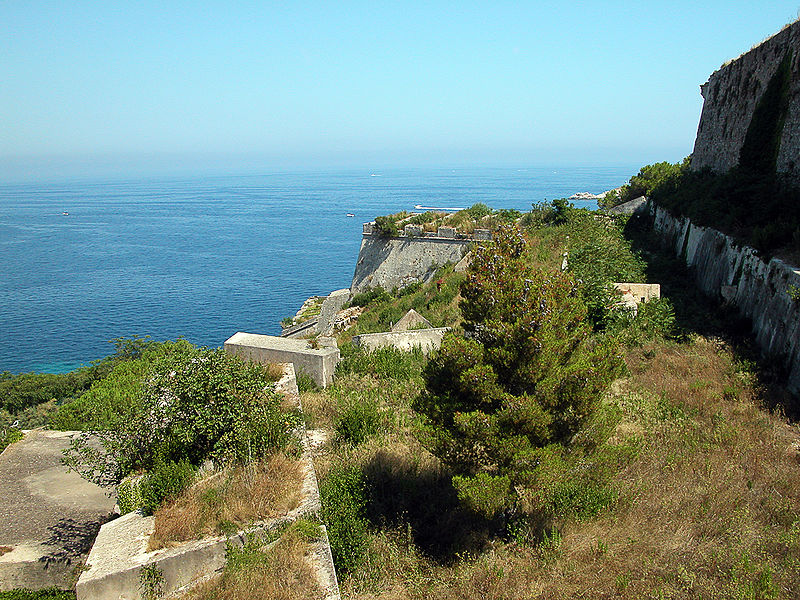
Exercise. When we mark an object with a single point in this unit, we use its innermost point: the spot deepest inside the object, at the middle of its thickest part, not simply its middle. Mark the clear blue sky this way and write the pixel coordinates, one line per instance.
(304, 85)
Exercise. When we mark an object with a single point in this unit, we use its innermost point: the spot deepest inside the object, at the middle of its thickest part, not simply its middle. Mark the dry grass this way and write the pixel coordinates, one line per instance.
(229, 500)
(281, 573)
(708, 508)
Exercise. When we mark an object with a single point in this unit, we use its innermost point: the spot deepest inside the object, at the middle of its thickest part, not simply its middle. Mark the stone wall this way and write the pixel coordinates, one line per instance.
(758, 289)
(731, 97)
(396, 262)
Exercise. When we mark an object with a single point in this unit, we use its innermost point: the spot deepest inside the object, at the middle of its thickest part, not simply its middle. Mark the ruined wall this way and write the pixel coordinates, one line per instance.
(748, 98)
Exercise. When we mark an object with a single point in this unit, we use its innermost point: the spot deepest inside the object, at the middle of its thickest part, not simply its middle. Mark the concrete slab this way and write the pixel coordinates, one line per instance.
(48, 516)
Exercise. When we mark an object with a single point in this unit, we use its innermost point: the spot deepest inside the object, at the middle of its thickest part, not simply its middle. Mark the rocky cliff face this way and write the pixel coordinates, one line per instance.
(760, 290)
(751, 108)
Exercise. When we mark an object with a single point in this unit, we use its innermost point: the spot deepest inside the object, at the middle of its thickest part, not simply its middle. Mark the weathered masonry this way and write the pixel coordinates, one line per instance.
(394, 262)
(751, 110)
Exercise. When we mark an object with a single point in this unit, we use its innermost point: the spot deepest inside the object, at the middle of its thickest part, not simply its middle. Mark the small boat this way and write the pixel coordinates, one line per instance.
(65, 213)
(350, 215)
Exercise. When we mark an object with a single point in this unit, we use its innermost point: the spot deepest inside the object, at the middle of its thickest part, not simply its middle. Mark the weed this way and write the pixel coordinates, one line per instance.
(151, 582)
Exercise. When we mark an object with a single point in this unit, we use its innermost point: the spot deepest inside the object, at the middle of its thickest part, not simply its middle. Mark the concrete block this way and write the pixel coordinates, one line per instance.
(368, 228)
(640, 292)
(426, 339)
(414, 230)
(318, 363)
(447, 232)
(482, 235)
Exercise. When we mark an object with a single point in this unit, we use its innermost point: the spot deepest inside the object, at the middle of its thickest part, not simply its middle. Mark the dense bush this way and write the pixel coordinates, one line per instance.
(342, 493)
(649, 178)
(115, 396)
(8, 436)
(166, 479)
(18, 392)
(759, 209)
(376, 294)
(195, 404)
(358, 419)
(526, 375)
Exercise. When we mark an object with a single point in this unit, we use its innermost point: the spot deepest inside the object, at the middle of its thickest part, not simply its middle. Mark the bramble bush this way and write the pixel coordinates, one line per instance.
(526, 374)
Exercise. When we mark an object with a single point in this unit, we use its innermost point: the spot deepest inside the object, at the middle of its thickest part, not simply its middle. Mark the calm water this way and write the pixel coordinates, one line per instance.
(206, 257)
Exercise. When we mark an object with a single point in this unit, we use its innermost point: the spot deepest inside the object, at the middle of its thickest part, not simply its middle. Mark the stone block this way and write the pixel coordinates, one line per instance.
(482, 235)
(368, 228)
(447, 232)
(330, 306)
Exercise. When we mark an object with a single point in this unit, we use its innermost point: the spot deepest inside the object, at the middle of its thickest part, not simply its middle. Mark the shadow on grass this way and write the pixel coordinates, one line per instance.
(697, 313)
(402, 491)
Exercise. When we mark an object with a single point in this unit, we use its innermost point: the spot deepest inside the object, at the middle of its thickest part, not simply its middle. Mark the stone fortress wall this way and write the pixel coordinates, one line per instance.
(394, 262)
(750, 119)
(735, 93)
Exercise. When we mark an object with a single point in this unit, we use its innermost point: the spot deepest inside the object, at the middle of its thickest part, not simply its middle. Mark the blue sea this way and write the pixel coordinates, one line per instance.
(205, 257)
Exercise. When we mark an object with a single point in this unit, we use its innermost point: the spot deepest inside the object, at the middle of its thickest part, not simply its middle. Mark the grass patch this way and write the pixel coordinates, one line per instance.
(230, 500)
(47, 594)
(281, 571)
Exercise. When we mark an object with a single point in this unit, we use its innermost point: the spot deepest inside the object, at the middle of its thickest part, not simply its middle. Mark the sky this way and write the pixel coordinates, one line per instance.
(116, 86)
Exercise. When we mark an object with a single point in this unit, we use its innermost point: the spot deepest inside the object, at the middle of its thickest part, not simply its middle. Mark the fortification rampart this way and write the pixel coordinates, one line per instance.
(751, 109)
(418, 233)
(395, 262)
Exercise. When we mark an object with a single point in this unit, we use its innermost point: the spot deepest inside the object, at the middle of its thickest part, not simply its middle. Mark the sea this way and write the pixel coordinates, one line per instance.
(87, 261)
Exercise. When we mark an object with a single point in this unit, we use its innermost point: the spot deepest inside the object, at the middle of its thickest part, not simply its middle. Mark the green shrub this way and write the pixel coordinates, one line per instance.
(386, 226)
(478, 211)
(343, 497)
(165, 480)
(376, 294)
(483, 493)
(529, 375)
(8, 436)
(384, 363)
(112, 398)
(306, 383)
(358, 419)
(129, 495)
(195, 404)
